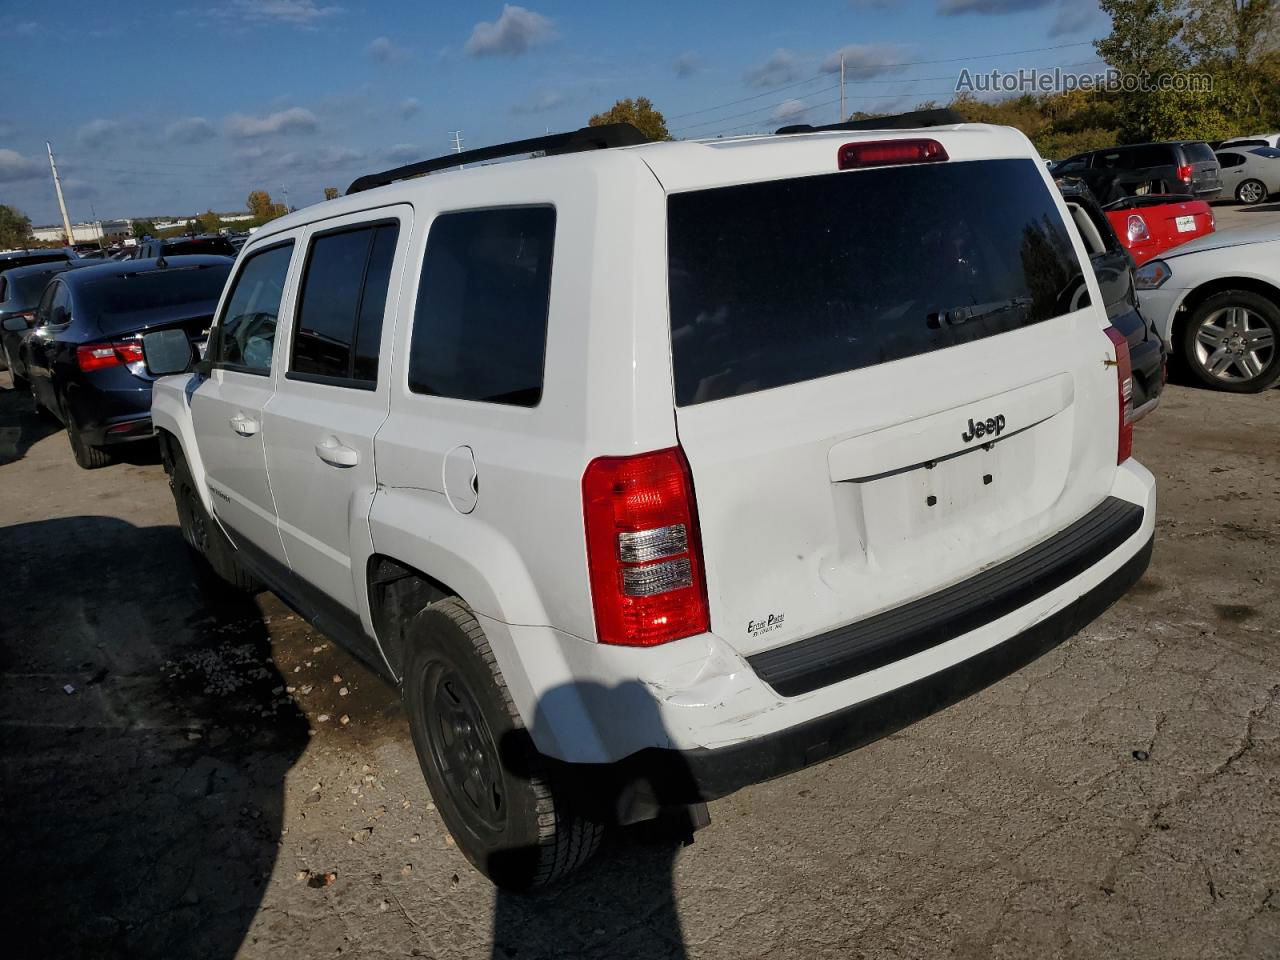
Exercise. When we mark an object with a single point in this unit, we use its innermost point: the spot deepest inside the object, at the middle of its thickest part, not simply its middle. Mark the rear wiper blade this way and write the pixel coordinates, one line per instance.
(968, 313)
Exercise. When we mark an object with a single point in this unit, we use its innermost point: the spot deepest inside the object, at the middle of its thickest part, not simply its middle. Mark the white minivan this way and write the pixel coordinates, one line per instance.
(648, 471)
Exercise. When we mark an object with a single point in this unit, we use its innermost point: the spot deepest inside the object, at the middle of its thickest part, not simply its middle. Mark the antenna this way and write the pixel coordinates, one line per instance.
(457, 146)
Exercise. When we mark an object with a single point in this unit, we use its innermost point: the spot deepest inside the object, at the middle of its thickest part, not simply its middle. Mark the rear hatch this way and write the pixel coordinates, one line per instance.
(1206, 172)
(886, 380)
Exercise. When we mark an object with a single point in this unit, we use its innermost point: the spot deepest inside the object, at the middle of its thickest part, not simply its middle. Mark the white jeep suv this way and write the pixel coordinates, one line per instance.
(651, 471)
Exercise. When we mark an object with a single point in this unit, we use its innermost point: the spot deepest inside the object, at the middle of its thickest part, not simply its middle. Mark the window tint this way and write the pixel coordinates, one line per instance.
(1153, 156)
(247, 332)
(219, 246)
(1269, 152)
(1227, 160)
(344, 294)
(774, 283)
(60, 306)
(480, 327)
(1112, 160)
(1197, 152)
(1074, 164)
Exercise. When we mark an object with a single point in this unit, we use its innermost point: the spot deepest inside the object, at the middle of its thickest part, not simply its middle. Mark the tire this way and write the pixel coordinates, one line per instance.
(1231, 342)
(213, 554)
(1251, 191)
(503, 814)
(87, 456)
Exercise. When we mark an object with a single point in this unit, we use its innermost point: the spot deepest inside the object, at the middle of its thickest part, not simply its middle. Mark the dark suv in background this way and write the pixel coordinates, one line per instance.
(214, 245)
(1184, 168)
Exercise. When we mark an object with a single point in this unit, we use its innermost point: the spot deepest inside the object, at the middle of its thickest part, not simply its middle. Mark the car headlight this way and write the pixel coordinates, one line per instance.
(1150, 276)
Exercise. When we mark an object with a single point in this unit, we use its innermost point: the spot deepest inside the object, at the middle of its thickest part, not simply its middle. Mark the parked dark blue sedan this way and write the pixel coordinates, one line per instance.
(84, 355)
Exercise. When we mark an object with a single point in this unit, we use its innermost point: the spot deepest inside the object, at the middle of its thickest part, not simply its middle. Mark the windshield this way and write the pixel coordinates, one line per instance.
(775, 283)
(195, 288)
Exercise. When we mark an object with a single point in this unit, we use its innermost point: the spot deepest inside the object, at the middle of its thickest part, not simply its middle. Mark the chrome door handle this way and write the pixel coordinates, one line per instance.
(243, 425)
(334, 453)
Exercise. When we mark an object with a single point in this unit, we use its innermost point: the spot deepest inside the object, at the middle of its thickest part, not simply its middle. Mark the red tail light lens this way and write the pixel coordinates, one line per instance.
(1184, 173)
(1124, 394)
(888, 153)
(99, 356)
(643, 551)
(1137, 229)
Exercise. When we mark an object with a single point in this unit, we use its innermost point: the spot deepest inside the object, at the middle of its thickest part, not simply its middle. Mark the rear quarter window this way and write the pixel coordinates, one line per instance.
(775, 283)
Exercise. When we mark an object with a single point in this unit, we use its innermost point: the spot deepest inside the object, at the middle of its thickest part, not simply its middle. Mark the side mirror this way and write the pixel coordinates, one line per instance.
(15, 324)
(166, 351)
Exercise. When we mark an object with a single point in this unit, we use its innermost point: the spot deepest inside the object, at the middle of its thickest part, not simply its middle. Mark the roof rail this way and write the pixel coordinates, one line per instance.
(940, 117)
(587, 138)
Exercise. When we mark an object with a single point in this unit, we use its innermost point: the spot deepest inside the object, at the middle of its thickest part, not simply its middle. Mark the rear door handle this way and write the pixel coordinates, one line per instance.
(334, 453)
(245, 426)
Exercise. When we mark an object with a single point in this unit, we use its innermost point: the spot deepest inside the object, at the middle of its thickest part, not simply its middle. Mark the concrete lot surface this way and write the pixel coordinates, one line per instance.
(182, 775)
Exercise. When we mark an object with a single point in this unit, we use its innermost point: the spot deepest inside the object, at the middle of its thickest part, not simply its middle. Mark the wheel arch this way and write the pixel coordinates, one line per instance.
(396, 592)
(1211, 288)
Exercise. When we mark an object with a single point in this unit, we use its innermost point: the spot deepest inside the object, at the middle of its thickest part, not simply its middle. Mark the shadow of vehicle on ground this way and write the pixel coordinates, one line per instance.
(145, 739)
(21, 427)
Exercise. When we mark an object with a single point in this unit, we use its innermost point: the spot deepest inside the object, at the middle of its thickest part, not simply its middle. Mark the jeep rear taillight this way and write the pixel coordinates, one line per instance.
(1124, 394)
(644, 556)
(1184, 173)
(99, 356)
(889, 153)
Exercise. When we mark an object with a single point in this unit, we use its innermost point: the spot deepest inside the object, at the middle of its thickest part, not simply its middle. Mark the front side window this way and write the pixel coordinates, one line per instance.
(344, 295)
(789, 280)
(247, 332)
(480, 325)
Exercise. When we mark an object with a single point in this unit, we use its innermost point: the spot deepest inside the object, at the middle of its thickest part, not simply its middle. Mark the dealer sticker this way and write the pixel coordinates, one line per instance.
(1185, 224)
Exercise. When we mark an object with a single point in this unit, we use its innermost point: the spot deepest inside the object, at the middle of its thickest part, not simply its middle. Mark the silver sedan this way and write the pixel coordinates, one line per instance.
(1251, 174)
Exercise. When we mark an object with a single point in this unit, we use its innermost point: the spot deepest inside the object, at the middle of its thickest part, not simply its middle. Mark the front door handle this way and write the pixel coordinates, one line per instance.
(245, 426)
(334, 453)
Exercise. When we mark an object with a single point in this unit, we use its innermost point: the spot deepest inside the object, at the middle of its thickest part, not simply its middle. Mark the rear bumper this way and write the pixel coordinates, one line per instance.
(656, 777)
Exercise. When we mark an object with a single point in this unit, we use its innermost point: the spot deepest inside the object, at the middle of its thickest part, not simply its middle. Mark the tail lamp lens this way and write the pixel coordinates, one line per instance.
(888, 153)
(1184, 173)
(99, 356)
(1124, 394)
(643, 551)
(1137, 229)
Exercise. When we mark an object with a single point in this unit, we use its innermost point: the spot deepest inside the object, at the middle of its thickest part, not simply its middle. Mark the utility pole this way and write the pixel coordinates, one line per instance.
(842, 115)
(457, 145)
(285, 191)
(62, 204)
(96, 222)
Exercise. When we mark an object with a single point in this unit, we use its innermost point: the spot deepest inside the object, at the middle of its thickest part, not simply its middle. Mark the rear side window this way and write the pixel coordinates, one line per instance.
(247, 332)
(344, 293)
(1156, 155)
(480, 326)
(779, 282)
(1227, 160)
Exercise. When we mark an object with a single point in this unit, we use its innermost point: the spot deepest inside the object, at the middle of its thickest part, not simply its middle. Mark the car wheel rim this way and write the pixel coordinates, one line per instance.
(1235, 344)
(464, 752)
(1249, 193)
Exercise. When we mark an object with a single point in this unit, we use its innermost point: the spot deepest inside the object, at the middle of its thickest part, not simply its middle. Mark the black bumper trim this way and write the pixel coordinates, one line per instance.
(657, 777)
(859, 647)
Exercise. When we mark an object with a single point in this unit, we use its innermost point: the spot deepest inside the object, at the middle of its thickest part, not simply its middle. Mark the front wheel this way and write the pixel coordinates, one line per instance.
(1251, 192)
(1230, 342)
(479, 761)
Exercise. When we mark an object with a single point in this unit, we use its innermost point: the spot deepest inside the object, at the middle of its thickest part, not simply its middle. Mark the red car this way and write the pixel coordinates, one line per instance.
(1152, 224)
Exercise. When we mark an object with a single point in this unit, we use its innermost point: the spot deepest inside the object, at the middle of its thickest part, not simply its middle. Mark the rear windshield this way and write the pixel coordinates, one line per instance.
(219, 246)
(190, 290)
(1266, 152)
(25, 289)
(1197, 152)
(776, 283)
(27, 259)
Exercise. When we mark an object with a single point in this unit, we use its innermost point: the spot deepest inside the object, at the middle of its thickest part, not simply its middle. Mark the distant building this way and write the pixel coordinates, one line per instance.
(109, 230)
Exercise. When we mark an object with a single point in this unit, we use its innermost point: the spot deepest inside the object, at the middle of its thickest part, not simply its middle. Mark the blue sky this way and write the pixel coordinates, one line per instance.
(176, 107)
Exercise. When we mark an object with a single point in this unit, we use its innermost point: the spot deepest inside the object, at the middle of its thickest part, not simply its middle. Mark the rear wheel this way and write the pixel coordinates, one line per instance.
(1230, 342)
(479, 761)
(1251, 191)
(87, 456)
(212, 552)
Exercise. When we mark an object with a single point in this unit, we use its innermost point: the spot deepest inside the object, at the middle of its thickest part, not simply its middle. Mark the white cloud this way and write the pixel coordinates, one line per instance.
(954, 7)
(95, 133)
(382, 50)
(780, 68)
(26, 28)
(1074, 16)
(14, 166)
(190, 130)
(403, 153)
(687, 64)
(293, 120)
(862, 61)
(515, 32)
(325, 160)
(408, 107)
(790, 111)
(548, 100)
(297, 12)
